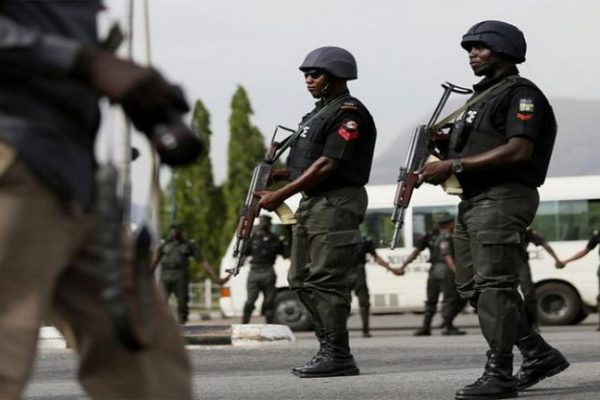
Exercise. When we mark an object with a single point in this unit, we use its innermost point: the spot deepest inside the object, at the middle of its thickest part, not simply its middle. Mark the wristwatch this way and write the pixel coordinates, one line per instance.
(457, 166)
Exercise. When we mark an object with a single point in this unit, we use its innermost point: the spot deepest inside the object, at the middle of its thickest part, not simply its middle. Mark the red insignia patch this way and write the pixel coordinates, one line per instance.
(524, 117)
(348, 130)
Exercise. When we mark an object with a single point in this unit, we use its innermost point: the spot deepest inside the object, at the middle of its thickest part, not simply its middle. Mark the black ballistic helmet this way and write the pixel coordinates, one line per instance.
(443, 217)
(500, 37)
(336, 61)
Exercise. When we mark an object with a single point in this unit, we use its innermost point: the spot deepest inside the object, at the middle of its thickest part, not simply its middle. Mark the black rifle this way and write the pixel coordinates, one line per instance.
(261, 178)
(420, 148)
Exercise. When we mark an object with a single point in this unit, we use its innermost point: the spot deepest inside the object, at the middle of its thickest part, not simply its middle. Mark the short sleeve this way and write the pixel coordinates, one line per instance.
(526, 113)
(594, 240)
(422, 242)
(342, 139)
(446, 247)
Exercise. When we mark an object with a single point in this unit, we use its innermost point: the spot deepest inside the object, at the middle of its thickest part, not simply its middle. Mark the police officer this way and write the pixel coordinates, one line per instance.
(173, 255)
(441, 276)
(591, 244)
(52, 73)
(264, 247)
(499, 149)
(527, 286)
(329, 164)
(358, 280)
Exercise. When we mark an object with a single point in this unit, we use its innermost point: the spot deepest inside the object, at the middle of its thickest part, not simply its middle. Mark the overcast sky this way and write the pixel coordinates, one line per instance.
(404, 50)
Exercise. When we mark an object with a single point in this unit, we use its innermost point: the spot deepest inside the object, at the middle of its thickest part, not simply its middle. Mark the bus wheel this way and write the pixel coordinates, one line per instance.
(558, 304)
(291, 312)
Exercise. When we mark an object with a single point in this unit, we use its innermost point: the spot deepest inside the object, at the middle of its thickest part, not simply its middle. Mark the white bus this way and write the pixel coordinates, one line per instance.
(569, 210)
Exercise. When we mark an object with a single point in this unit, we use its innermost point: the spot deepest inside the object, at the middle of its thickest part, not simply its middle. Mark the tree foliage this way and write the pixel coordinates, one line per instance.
(194, 201)
(246, 149)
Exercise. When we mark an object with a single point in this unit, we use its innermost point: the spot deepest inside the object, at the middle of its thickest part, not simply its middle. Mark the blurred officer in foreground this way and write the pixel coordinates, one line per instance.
(358, 280)
(173, 256)
(441, 276)
(329, 163)
(527, 286)
(591, 244)
(52, 73)
(499, 150)
(264, 247)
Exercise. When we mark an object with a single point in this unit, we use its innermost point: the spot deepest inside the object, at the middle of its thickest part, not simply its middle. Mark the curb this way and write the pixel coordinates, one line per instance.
(250, 335)
(50, 338)
(238, 335)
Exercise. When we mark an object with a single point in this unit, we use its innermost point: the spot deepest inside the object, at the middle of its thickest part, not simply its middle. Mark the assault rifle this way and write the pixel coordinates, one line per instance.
(421, 147)
(262, 177)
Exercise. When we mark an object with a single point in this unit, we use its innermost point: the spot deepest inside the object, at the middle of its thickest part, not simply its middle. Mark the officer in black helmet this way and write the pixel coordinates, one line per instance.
(500, 149)
(329, 164)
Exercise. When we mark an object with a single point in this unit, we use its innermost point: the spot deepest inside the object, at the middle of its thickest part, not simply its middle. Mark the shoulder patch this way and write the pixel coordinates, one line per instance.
(348, 130)
(526, 105)
(526, 108)
(349, 105)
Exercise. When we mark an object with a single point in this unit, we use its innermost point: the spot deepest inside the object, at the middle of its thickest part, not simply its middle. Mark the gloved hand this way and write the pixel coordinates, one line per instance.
(153, 105)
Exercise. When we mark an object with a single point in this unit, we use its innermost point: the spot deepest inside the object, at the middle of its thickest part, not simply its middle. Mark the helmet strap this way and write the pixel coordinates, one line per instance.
(327, 88)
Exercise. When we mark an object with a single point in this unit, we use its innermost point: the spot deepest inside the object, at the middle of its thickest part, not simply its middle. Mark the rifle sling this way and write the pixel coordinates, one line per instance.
(287, 142)
(498, 87)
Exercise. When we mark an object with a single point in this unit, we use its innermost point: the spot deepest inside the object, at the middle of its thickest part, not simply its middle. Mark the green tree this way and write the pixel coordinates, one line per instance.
(193, 199)
(246, 149)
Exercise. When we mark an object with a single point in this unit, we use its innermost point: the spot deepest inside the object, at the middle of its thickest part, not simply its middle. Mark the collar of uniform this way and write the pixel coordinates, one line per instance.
(487, 82)
(321, 103)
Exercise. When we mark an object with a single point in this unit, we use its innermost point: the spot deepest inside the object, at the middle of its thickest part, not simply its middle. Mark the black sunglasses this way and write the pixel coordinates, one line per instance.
(314, 74)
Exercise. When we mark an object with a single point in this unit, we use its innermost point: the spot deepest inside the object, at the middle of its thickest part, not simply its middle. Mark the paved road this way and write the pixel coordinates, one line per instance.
(394, 365)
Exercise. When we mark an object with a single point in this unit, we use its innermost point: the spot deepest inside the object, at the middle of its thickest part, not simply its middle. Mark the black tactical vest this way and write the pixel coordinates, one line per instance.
(309, 146)
(474, 133)
(176, 255)
(264, 249)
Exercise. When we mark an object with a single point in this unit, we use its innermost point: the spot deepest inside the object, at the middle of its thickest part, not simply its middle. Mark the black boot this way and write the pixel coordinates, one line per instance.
(321, 335)
(247, 313)
(496, 382)
(540, 361)
(451, 330)
(364, 313)
(425, 330)
(336, 360)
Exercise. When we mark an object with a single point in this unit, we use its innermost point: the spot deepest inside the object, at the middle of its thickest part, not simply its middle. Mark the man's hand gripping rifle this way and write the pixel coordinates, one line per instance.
(262, 177)
(422, 145)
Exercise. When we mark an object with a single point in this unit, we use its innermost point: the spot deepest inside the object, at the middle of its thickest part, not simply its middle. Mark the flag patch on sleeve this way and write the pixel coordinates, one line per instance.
(526, 107)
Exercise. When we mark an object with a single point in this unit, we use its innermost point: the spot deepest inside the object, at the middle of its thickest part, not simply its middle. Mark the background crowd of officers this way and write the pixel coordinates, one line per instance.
(54, 70)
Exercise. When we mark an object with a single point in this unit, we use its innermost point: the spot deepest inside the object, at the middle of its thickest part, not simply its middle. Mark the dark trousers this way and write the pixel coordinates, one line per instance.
(178, 284)
(443, 283)
(529, 297)
(488, 245)
(324, 245)
(358, 284)
(260, 281)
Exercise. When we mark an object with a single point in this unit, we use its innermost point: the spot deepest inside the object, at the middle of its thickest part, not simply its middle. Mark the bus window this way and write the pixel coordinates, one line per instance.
(423, 219)
(379, 228)
(567, 220)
